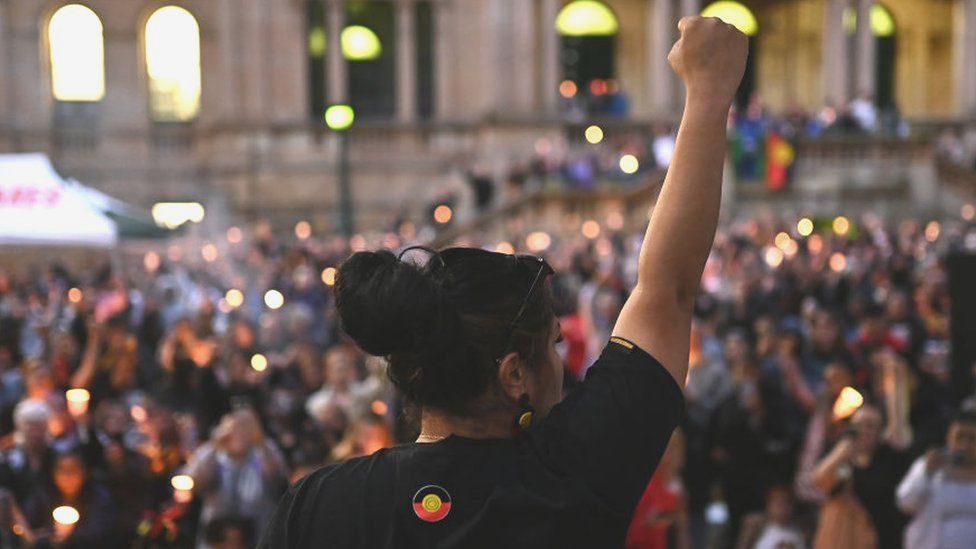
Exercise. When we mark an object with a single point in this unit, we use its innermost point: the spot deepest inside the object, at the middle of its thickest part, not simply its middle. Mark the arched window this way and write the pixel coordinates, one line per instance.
(734, 14)
(173, 64)
(74, 36)
(588, 38)
(885, 29)
(882, 23)
(369, 45)
(586, 18)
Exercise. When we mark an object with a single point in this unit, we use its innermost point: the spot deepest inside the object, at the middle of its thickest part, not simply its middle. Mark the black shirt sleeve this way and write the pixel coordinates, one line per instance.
(290, 519)
(611, 432)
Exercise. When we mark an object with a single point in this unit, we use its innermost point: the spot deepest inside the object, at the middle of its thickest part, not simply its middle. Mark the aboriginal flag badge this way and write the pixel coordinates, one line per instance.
(432, 503)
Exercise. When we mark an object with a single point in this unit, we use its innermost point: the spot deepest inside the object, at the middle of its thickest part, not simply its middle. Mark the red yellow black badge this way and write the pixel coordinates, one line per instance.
(432, 503)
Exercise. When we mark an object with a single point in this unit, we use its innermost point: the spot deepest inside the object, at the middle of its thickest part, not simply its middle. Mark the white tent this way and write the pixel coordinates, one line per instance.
(37, 207)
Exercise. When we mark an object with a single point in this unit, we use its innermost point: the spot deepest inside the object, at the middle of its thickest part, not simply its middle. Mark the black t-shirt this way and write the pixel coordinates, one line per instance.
(571, 480)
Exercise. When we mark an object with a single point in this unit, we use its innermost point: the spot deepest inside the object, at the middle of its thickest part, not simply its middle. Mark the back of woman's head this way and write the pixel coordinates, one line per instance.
(444, 324)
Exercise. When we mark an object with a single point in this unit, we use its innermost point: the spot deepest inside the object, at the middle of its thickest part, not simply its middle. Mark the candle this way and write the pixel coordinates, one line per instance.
(847, 403)
(182, 488)
(65, 518)
(77, 401)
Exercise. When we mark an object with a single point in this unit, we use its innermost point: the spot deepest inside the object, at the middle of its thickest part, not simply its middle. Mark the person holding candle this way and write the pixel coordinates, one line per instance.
(862, 470)
(71, 486)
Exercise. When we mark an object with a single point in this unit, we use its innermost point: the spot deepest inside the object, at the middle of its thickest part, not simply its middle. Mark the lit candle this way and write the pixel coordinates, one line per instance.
(847, 403)
(65, 518)
(182, 488)
(77, 401)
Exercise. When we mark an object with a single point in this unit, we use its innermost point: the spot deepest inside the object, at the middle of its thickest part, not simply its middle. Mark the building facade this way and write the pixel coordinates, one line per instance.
(221, 101)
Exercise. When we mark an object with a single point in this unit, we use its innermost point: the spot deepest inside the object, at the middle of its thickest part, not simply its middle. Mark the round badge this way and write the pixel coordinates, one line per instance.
(431, 503)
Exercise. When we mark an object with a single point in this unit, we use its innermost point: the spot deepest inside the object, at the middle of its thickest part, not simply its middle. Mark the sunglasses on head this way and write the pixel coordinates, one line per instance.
(535, 263)
(542, 269)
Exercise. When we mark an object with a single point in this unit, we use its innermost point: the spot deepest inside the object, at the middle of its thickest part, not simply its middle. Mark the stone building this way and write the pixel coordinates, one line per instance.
(221, 101)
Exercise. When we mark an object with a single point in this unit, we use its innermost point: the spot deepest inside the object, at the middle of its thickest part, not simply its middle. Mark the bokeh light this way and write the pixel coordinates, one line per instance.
(379, 407)
(274, 299)
(209, 253)
(234, 297)
(443, 214)
(968, 212)
(303, 230)
(841, 225)
(838, 262)
(259, 362)
(329, 276)
(594, 134)
(815, 244)
(151, 261)
(75, 295)
(568, 89)
(591, 229)
(782, 241)
(629, 164)
(932, 231)
(773, 256)
(538, 241)
(234, 235)
(804, 226)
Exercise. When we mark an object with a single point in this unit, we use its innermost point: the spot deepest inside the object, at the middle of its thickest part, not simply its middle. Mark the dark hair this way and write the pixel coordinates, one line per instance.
(444, 324)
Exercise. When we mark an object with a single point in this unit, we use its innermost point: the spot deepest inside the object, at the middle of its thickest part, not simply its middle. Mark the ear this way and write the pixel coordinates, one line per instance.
(512, 376)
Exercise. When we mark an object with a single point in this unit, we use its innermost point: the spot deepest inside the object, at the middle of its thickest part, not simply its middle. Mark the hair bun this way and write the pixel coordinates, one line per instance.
(388, 306)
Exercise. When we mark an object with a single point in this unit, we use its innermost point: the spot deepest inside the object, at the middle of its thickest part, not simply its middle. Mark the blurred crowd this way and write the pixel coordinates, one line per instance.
(168, 402)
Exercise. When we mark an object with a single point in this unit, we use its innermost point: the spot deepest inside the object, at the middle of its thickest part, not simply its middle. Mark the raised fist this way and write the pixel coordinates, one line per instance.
(710, 57)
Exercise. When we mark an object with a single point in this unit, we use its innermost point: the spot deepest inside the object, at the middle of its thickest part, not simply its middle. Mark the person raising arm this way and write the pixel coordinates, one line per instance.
(710, 58)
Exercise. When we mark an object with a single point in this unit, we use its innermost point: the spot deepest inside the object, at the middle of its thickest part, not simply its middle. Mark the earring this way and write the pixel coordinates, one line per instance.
(524, 418)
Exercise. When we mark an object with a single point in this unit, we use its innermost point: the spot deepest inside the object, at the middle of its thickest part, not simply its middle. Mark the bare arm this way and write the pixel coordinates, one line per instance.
(710, 57)
(89, 360)
(826, 473)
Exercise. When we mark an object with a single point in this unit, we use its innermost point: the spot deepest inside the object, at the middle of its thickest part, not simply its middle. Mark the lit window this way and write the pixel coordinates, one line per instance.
(77, 54)
(882, 23)
(586, 18)
(173, 64)
(734, 14)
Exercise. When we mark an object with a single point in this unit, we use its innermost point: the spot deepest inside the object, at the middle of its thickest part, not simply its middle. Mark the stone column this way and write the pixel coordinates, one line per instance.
(406, 61)
(443, 33)
(549, 56)
(964, 55)
(834, 63)
(661, 25)
(866, 50)
(335, 61)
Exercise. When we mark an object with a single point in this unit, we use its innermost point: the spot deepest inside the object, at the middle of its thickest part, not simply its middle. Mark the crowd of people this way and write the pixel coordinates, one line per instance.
(762, 148)
(170, 402)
